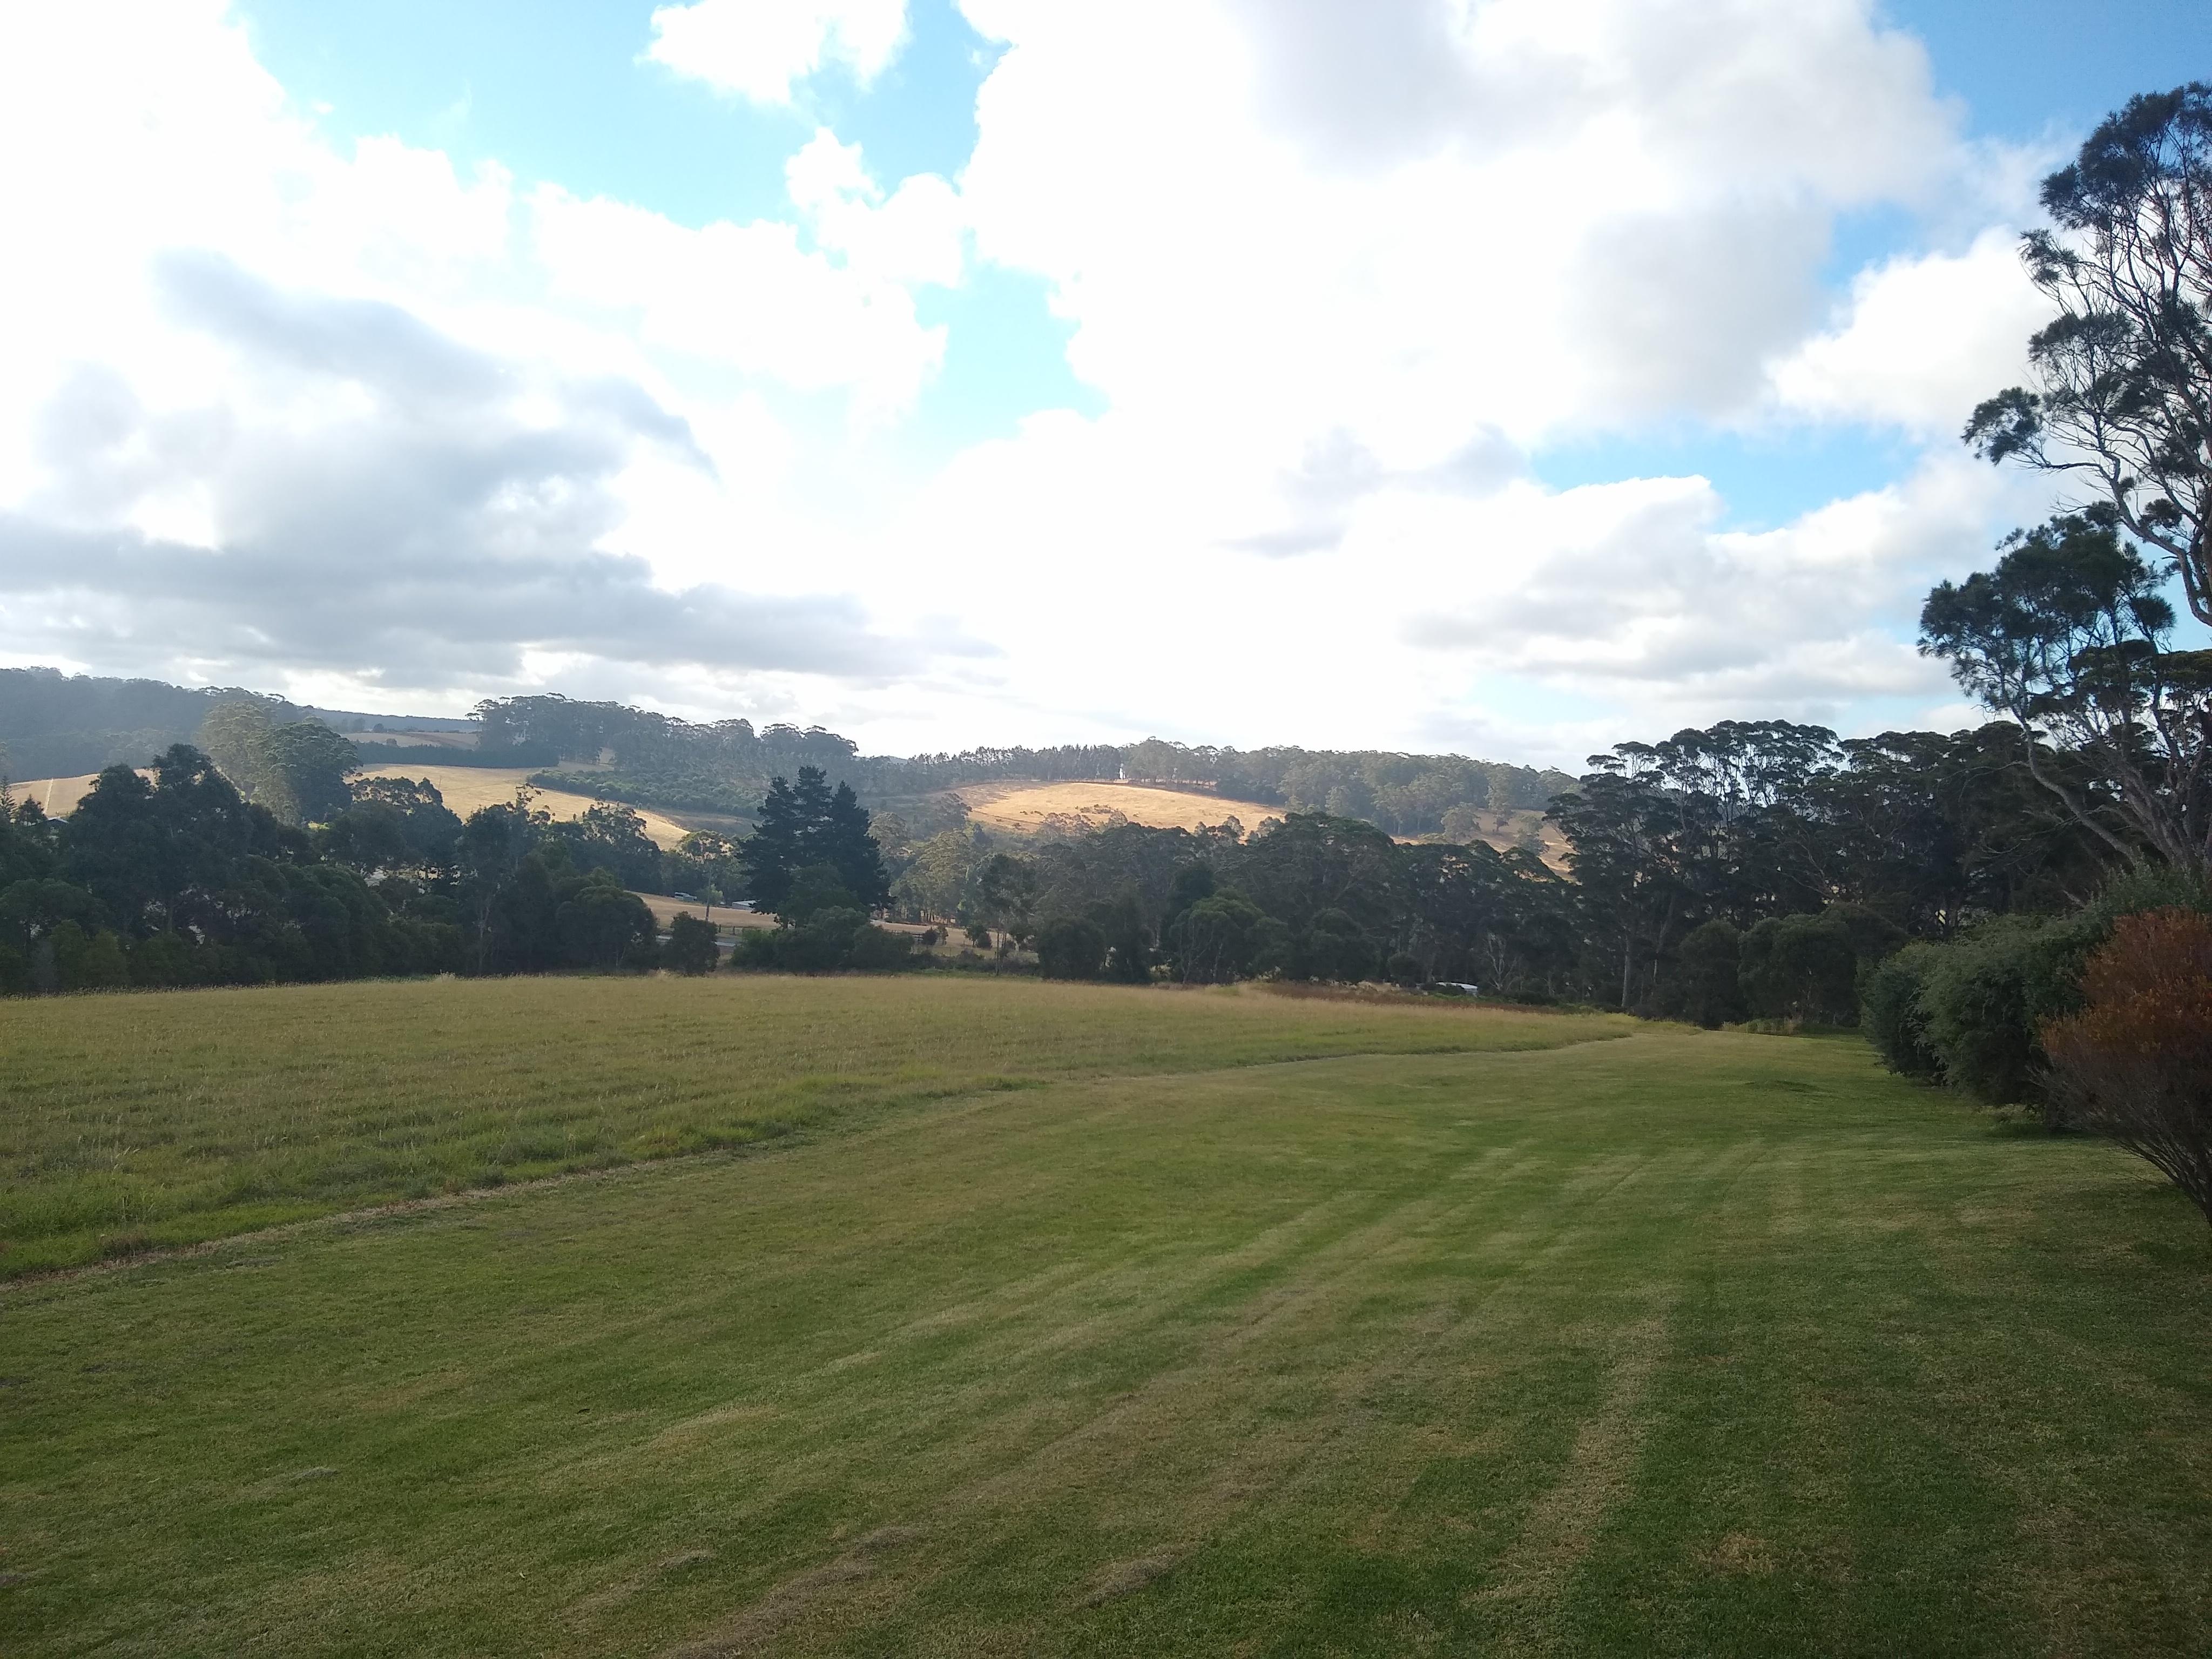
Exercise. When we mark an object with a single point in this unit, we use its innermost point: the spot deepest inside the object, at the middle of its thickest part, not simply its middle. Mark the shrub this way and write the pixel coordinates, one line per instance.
(690, 948)
(1334, 947)
(1070, 948)
(165, 959)
(1710, 994)
(87, 962)
(1274, 947)
(1128, 951)
(1986, 994)
(1890, 1015)
(1801, 968)
(829, 941)
(1214, 940)
(814, 890)
(822, 943)
(1875, 938)
(2136, 1063)
(878, 950)
(599, 923)
(1403, 969)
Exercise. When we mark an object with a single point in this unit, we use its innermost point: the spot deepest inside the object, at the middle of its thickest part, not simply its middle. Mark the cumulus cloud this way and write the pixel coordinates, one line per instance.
(764, 48)
(915, 236)
(1924, 340)
(1634, 588)
(747, 297)
(1415, 223)
(1361, 262)
(1813, 94)
(413, 512)
(1339, 273)
(274, 409)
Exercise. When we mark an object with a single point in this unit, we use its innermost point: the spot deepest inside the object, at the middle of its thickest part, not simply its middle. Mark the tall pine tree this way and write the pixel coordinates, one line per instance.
(777, 850)
(859, 859)
(805, 824)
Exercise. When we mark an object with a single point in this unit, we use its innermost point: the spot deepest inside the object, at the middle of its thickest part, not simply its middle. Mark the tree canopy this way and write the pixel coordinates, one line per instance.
(2122, 376)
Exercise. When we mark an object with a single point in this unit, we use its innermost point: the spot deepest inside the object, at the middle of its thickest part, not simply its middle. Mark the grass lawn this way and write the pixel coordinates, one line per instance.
(1680, 1343)
(145, 1119)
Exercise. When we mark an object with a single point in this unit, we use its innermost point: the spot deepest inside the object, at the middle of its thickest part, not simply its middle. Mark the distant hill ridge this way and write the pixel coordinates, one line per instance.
(53, 724)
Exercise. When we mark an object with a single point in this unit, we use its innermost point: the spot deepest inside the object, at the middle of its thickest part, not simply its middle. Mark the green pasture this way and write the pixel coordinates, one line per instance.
(1242, 1326)
(141, 1121)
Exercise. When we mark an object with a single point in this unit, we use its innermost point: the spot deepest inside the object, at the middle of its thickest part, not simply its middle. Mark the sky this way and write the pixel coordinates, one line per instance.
(1511, 377)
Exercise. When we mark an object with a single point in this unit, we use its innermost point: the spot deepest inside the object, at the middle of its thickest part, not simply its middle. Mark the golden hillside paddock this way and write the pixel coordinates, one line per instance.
(466, 789)
(57, 797)
(1025, 808)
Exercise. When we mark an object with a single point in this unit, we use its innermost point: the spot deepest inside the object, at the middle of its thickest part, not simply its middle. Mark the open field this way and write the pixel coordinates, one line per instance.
(1684, 1343)
(1024, 808)
(57, 797)
(726, 919)
(162, 1118)
(394, 736)
(731, 922)
(468, 789)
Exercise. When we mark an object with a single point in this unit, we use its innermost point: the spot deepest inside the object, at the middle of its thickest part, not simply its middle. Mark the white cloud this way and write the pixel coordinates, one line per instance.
(1924, 340)
(1612, 210)
(270, 404)
(763, 49)
(1338, 271)
(744, 295)
(916, 236)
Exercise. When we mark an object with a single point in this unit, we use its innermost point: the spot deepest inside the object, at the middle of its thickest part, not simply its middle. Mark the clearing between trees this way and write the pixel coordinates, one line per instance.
(1077, 1321)
(1024, 808)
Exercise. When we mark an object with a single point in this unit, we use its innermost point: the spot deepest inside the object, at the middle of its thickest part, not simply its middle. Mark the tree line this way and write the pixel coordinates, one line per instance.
(180, 879)
(634, 755)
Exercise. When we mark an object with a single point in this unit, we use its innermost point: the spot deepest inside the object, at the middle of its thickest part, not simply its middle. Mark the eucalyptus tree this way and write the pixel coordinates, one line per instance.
(2121, 396)
(2068, 636)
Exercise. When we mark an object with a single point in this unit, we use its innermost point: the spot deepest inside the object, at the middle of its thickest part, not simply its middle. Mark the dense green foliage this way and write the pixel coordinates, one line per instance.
(179, 879)
(1969, 1011)
(1683, 1344)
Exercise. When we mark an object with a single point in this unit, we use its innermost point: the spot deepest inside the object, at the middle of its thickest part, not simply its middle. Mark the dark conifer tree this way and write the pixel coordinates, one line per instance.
(850, 847)
(810, 800)
(776, 850)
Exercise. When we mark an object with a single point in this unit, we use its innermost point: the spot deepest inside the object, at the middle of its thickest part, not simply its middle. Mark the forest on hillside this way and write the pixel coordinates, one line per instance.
(53, 725)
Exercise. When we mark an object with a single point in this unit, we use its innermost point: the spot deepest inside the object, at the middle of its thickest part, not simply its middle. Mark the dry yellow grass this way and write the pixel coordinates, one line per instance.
(57, 797)
(1025, 808)
(469, 788)
(726, 918)
(1517, 823)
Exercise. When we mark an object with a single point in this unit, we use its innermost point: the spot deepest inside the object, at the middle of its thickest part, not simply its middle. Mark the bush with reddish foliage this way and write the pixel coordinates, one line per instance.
(2136, 1064)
